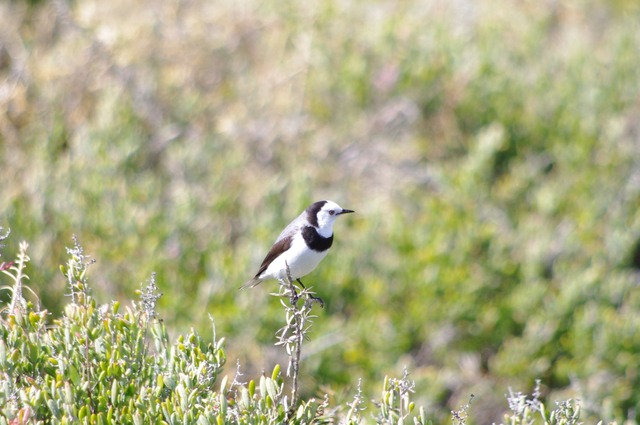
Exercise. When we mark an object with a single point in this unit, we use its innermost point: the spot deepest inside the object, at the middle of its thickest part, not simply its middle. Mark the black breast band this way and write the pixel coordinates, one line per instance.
(314, 240)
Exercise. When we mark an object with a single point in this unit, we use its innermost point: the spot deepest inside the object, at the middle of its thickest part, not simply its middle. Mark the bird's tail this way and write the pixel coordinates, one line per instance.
(250, 284)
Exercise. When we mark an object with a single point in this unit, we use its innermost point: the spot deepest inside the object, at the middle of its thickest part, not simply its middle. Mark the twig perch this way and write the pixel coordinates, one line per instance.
(292, 335)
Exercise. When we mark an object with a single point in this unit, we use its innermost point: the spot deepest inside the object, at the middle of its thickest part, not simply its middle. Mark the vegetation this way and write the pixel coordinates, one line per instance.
(490, 150)
(95, 366)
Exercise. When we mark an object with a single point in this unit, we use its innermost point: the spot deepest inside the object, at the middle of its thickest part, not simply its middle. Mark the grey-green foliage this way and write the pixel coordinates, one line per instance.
(529, 410)
(95, 364)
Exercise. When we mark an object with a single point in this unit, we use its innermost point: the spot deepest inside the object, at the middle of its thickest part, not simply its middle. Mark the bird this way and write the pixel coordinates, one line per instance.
(301, 245)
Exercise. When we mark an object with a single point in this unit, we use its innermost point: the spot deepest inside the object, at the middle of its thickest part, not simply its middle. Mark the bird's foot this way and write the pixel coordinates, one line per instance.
(311, 296)
(317, 300)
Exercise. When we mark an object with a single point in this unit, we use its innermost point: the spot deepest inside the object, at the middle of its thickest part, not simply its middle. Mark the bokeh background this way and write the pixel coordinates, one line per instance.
(490, 148)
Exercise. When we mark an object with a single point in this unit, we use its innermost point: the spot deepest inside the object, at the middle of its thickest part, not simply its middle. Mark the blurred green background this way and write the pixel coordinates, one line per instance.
(491, 150)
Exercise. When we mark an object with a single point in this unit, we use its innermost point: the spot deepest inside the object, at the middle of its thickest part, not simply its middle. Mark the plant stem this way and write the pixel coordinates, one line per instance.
(293, 333)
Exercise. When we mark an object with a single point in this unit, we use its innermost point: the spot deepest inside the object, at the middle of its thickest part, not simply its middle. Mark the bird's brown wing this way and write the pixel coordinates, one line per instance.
(278, 248)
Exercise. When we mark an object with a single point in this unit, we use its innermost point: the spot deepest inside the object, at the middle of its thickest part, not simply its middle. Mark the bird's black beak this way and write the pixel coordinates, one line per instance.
(345, 211)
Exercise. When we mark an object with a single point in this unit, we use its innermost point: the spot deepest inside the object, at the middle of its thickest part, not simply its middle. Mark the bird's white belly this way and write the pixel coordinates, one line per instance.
(299, 257)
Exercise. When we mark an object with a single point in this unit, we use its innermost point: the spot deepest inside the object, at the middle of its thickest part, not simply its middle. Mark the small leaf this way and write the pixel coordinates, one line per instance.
(223, 405)
(114, 392)
(271, 389)
(170, 382)
(74, 375)
(252, 388)
(83, 412)
(276, 372)
(53, 407)
(3, 353)
(263, 387)
(245, 397)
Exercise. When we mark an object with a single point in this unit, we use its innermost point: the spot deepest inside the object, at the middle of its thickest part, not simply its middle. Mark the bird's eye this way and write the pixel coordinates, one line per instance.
(332, 212)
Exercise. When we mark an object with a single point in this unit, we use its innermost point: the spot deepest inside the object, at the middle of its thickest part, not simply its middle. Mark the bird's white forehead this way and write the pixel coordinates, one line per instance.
(330, 205)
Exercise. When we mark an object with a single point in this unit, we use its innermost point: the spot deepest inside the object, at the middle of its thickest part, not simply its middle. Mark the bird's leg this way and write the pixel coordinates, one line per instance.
(301, 284)
(317, 299)
(294, 296)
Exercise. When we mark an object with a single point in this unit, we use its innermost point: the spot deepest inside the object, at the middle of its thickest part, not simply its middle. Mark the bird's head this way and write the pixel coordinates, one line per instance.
(323, 214)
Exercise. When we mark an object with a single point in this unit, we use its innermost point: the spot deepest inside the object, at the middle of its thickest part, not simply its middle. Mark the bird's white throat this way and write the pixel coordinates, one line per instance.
(326, 229)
